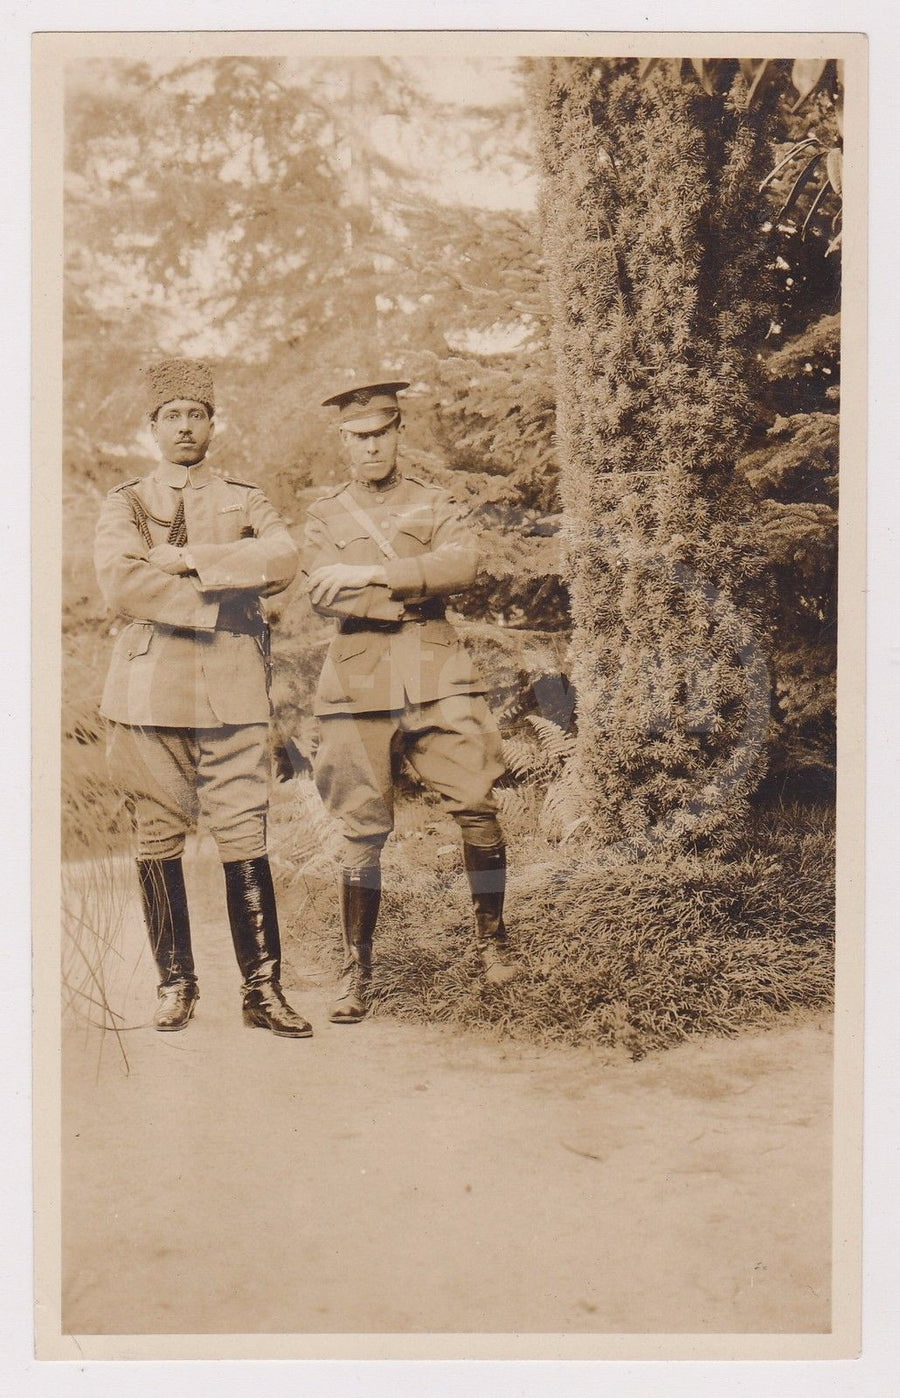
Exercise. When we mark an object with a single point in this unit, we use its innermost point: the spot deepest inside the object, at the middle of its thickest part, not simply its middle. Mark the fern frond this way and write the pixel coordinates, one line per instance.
(562, 810)
(557, 746)
(523, 758)
(512, 802)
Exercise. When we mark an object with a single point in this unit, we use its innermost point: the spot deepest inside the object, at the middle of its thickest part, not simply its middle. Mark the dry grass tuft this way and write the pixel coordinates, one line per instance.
(639, 955)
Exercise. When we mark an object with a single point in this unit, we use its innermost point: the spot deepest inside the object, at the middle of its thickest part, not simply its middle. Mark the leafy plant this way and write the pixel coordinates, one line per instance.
(541, 756)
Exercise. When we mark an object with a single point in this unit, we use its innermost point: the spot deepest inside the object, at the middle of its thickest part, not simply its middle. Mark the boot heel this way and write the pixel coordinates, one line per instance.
(266, 1008)
(175, 1007)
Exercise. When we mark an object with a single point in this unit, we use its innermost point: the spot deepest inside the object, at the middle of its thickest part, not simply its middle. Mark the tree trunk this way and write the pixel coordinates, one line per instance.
(652, 239)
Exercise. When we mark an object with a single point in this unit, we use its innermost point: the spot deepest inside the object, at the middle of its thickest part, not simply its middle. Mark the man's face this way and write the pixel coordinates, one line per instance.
(372, 455)
(183, 431)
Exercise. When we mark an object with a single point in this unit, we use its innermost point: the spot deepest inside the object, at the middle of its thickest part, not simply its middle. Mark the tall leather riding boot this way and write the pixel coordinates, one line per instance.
(360, 900)
(486, 871)
(257, 944)
(164, 901)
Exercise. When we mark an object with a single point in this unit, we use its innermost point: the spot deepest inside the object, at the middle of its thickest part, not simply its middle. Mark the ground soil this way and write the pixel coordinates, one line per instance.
(388, 1177)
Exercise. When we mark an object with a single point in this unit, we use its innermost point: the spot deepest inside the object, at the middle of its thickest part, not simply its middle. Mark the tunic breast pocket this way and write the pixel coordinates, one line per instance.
(412, 533)
(232, 524)
(354, 545)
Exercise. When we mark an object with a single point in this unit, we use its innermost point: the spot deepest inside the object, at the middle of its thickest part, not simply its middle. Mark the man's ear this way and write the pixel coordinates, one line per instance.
(212, 428)
(154, 429)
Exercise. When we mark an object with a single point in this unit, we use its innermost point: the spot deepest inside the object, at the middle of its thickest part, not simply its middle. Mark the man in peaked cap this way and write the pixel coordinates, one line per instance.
(381, 554)
(185, 556)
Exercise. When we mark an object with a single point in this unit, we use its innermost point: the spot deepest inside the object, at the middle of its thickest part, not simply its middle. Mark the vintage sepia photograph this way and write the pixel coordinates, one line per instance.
(452, 439)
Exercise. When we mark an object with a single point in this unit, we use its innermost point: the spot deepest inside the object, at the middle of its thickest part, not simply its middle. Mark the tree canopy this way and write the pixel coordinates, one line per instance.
(277, 218)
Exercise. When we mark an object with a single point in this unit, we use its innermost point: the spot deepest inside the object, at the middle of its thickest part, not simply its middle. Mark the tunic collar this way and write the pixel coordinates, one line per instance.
(376, 490)
(170, 473)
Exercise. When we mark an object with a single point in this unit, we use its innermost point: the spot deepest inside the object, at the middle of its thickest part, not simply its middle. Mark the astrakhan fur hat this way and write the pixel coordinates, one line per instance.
(190, 379)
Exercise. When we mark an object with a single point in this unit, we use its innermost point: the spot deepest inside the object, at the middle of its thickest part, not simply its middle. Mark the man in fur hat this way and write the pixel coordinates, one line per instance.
(382, 552)
(185, 556)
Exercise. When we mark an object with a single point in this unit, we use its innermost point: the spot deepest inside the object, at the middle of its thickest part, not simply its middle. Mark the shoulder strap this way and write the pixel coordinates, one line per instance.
(368, 525)
(329, 494)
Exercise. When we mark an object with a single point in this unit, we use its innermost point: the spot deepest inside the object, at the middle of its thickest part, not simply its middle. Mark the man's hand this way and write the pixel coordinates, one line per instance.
(169, 559)
(324, 584)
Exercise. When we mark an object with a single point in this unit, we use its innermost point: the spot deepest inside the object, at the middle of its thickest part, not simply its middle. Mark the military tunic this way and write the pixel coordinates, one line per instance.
(186, 691)
(396, 674)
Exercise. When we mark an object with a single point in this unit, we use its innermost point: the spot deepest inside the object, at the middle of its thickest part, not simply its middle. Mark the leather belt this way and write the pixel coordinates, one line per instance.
(193, 632)
(350, 625)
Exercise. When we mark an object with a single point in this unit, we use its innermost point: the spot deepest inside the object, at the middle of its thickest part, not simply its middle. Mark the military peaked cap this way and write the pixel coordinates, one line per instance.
(367, 407)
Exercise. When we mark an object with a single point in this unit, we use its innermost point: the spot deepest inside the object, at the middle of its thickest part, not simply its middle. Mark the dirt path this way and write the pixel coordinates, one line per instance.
(388, 1177)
